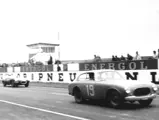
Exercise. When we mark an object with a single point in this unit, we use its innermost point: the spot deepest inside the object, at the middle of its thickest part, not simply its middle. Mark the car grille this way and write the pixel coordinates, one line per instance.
(142, 91)
(23, 82)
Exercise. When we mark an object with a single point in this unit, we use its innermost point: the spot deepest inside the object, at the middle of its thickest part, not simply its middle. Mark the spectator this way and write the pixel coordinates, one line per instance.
(122, 58)
(154, 55)
(58, 68)
(117, 59)
(58, 62)
(91, 76)
(50, 61)
(129, 57)
(97, 58)
(113, 58)
(137, 57)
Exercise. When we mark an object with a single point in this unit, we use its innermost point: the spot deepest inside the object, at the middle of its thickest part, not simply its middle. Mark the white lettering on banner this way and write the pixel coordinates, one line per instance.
(121, 66)
(94, 66)
(60, 76)
(111, 65)
(142, 66)
(132, 65)
(102, 66)
(86, 66)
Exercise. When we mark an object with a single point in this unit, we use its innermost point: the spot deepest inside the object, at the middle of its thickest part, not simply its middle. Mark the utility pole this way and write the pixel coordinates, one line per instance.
(59, 46)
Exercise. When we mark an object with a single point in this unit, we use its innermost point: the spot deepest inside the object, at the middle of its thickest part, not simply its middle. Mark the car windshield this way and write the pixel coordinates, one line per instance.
(110, 75)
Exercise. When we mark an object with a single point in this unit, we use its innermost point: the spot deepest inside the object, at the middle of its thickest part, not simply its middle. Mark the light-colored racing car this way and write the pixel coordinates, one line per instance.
(110, 86)
(14, 82)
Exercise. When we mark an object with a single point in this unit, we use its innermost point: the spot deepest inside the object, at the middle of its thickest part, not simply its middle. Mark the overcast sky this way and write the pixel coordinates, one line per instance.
(86, 27)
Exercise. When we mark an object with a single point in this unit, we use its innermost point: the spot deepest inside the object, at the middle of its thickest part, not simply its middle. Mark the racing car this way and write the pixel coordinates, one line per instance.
(14, 82)
(112, 87)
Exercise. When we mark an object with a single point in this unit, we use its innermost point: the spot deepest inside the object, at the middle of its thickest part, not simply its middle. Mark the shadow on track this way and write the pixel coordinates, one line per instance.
(125, 106)
(19, 86)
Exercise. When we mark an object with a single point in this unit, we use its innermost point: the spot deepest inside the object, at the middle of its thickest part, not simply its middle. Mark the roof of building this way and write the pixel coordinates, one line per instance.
(43, 44)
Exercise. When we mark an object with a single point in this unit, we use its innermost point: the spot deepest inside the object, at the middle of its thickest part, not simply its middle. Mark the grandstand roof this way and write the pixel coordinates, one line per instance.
(42, 44)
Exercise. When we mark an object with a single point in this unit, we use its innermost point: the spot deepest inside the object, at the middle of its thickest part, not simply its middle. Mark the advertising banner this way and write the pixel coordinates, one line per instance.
(121, 65)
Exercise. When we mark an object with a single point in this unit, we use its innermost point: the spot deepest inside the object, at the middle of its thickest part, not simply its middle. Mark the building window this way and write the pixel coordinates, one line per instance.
(45, 49)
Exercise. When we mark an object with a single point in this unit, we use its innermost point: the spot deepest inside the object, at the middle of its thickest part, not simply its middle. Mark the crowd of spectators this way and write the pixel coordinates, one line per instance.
(96, 58)
(136, 57)
(122, 58)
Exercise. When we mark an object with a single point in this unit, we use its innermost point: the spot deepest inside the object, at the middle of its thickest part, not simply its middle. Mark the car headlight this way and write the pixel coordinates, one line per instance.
(154, 87)
(127, 90)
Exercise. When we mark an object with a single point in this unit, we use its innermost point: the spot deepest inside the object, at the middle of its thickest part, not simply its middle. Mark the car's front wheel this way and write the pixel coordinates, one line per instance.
(27, 84)
(145, 102)
(114, 99)
(78, 96)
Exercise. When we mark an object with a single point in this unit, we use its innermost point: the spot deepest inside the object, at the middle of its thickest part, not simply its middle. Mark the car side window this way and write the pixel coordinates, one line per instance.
(86, 76)
(110, 75)
(91, 76)
(82, 77)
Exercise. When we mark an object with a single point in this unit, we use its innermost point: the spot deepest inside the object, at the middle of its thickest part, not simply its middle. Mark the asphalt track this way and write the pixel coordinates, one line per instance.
(47, 103)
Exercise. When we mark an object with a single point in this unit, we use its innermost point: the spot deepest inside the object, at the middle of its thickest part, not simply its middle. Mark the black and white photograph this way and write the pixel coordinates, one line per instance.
(79, 59)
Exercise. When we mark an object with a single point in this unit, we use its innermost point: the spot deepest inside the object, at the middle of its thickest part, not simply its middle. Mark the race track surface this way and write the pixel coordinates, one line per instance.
(46, 103)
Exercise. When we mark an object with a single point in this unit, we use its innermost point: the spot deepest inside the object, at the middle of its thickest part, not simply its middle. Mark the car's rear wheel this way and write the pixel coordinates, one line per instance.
(114, 99)
(78, 96)
(145, 102)
(4, 84)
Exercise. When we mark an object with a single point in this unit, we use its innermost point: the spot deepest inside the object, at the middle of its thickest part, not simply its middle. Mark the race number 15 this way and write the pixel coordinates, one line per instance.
(90, 90)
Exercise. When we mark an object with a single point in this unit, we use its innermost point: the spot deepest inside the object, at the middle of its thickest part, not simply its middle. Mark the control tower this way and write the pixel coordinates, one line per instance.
(44, 49)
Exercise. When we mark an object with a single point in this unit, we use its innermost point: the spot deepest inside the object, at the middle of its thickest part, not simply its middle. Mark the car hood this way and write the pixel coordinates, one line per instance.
(127, 83)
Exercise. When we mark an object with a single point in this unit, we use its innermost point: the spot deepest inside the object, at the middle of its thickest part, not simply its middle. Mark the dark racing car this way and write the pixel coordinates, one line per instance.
(110, 86)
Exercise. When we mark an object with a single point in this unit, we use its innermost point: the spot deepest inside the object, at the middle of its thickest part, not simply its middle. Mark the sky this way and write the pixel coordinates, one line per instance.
(86, 27)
